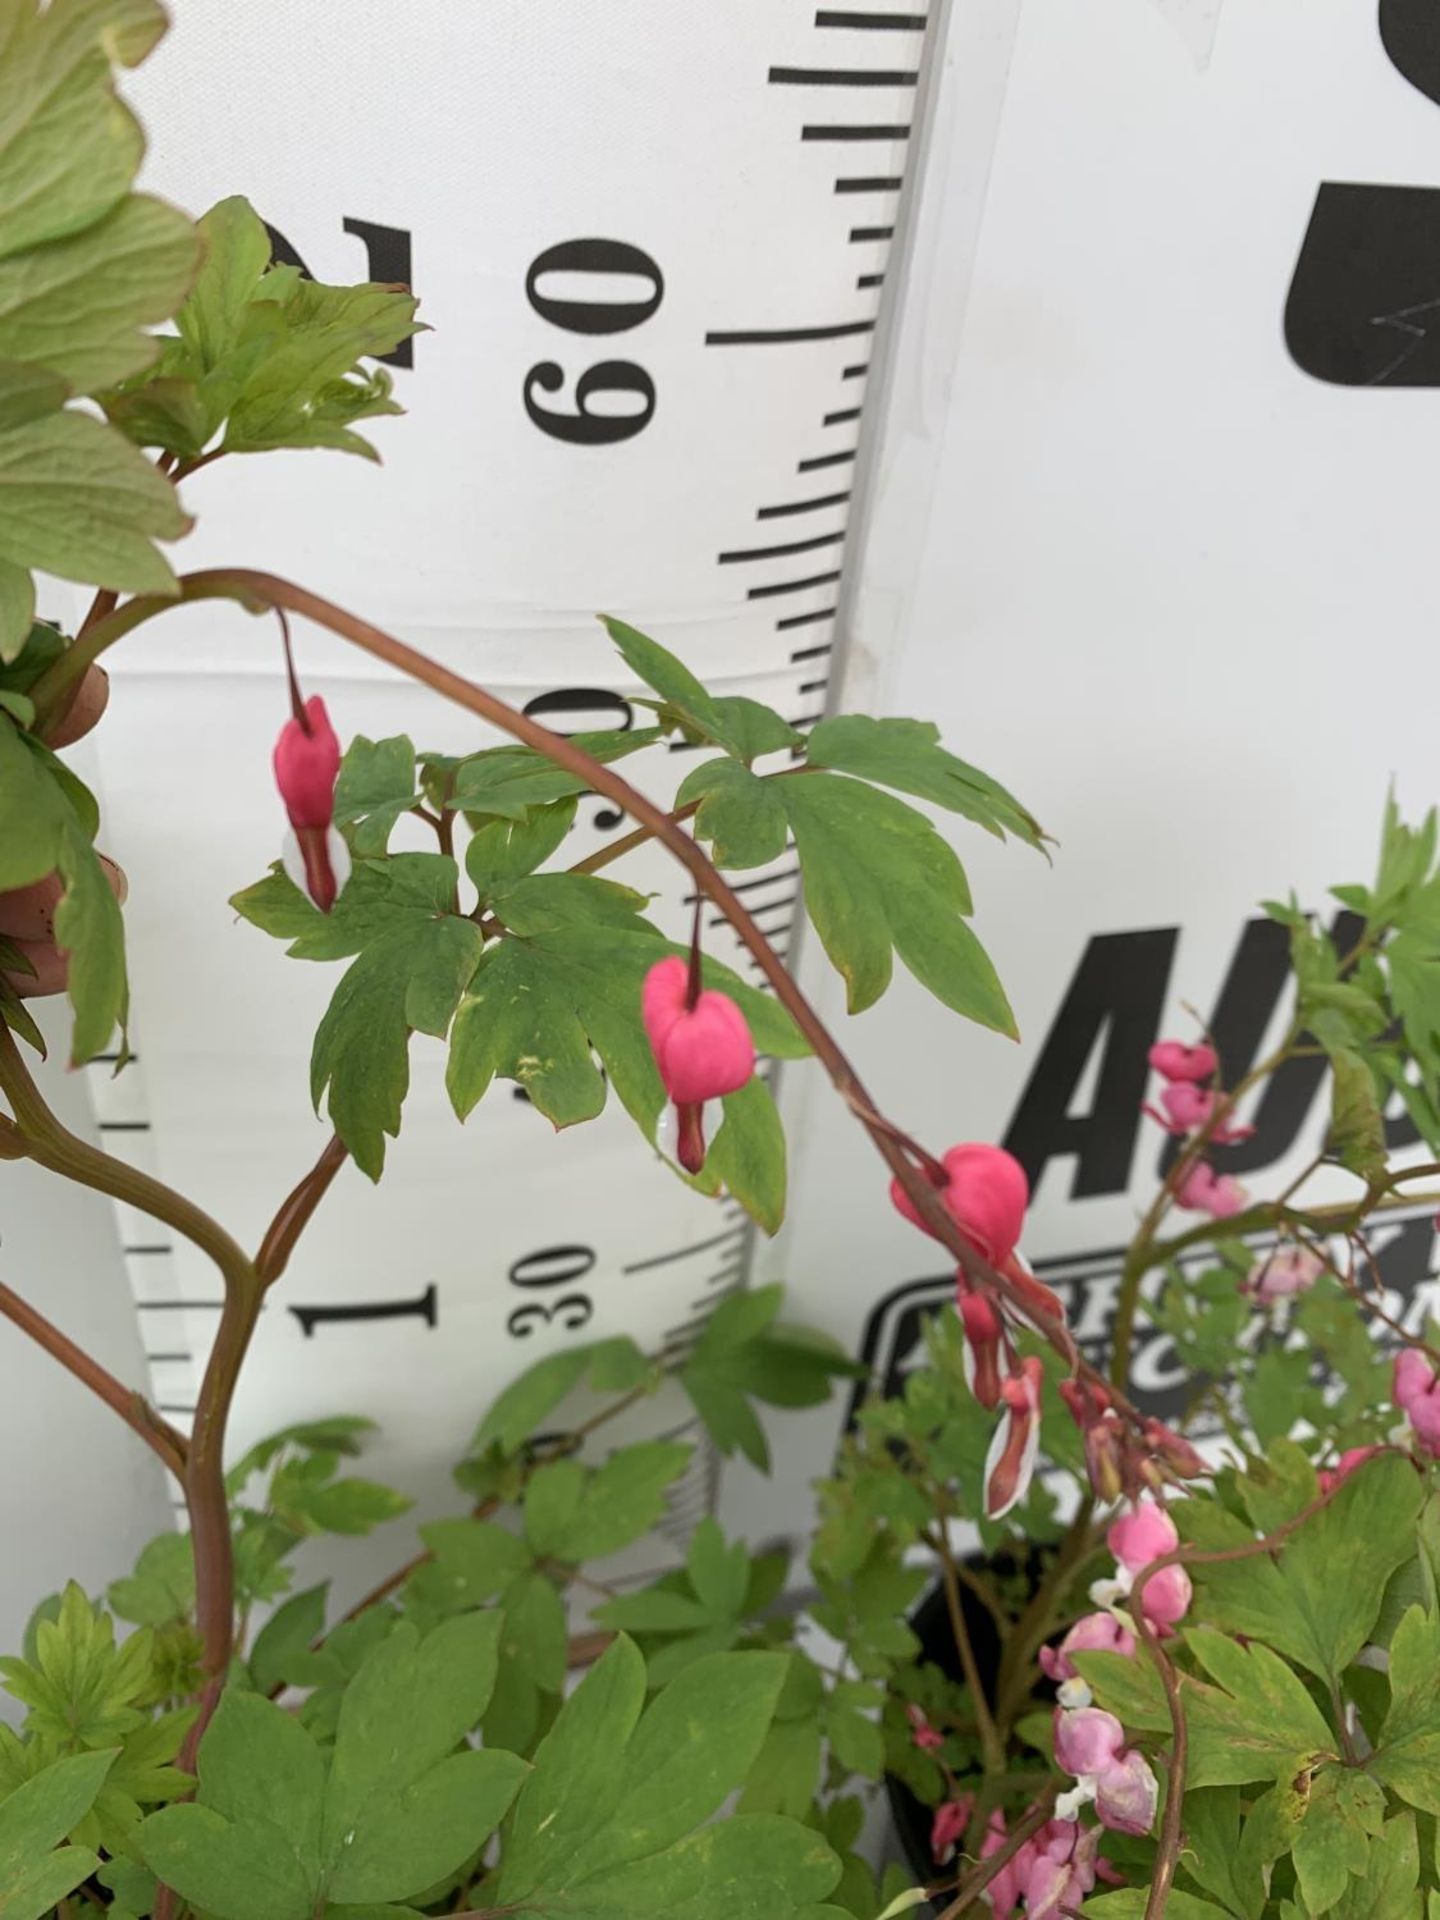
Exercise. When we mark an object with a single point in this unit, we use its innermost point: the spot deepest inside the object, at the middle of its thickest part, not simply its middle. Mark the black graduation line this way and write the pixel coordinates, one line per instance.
(802, 506)
(792, 586)
(806, 619)
(738, 554)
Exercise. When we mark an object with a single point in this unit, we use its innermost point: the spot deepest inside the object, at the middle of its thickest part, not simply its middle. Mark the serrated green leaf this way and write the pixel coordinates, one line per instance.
(503, 851)
(78, 307)
(1344, 1813)
(536, 1636)
(375, 787)
(27, 393)
(78, 500)
(739, 812)
(68, 151)
(1317, 1599)
(162, 1587)
(518, 1020)
(275, 1831)
(1357, 1130)
(412, 977)
(625, 1498)
(17, 615)
(877, 877)
(1388, 1887)
(508, 781)
(610, 1789)
(520, 1409)
(89, 930)
(1408, 1759)
(907, 754)
(1128, 1903)
(669, 677)
(747, 1156)
(287, 1637)
(33, 1819)
(719, 1572)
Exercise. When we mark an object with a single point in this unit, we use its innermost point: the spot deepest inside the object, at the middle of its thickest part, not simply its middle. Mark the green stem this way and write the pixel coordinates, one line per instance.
(991, 1746)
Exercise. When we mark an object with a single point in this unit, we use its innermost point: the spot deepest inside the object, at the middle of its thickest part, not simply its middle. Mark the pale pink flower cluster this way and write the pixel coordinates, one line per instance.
(1186, 1105)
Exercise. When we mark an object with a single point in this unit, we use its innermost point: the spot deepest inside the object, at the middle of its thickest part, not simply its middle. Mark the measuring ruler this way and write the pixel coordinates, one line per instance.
(653, 243)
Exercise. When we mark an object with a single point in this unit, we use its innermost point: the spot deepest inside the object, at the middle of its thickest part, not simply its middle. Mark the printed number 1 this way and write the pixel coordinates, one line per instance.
(646, 288)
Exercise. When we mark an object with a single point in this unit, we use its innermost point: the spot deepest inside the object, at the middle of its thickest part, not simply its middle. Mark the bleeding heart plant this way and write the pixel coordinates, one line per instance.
(1186, 1546)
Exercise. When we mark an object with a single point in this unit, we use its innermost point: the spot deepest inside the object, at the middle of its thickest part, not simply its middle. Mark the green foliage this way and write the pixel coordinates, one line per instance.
(35, 1870)
(278, 1826)
(743, 1355)
(85, 266)
(264, 358)
(707, 1606)
(615, 1366)
(605, 1824)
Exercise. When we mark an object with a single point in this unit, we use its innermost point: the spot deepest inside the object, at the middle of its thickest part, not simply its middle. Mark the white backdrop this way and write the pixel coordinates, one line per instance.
(1172, 589)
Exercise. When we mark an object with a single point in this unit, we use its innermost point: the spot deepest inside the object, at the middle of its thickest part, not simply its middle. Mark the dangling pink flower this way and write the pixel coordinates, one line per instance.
(1087, 1740)
(922, 1735)
(1353, 1457)
(947, 1829)
(1003, 1892)
(1282, 1274)
(1187, 1105)
(1142, 1535)
(1127, 1793)
(1096, 1633)
(307, 764)
(981, 1355)
(1218, 1194)
(701, 1044)
(1173, 1060)
(1010, 1463)
(1417, 1394)
(1166, 1598)
(1061, 1871)
(986, 1194)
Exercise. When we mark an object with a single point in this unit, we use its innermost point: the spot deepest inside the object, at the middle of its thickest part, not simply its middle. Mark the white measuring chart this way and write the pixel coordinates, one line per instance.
(652, 242)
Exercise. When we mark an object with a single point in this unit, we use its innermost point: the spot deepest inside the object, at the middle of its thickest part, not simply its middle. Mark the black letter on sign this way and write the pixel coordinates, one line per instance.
(1407, 28)
(424, 1304)
(387, 252)
(1116, 1000)
(1244, 1013)
(1363, 309)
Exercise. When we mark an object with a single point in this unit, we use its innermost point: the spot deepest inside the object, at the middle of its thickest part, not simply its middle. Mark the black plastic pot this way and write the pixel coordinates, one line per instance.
(931, 1623)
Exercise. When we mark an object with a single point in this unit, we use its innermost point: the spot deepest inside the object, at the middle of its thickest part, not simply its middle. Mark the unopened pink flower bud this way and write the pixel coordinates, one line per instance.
(1175, 1451)
(922, 1735)
(982, 1347)
(1205, 1191)
(701, 1044)
(1127, 1794)
(947, 1829)
(307, 765)
(1173, 1060)
(1137, 1538)
(986, 1194)
(1096, 1633)
(1282, 1274)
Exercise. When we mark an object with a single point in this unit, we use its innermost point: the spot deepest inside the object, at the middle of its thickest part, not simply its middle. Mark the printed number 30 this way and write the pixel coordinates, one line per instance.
(546, 287)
